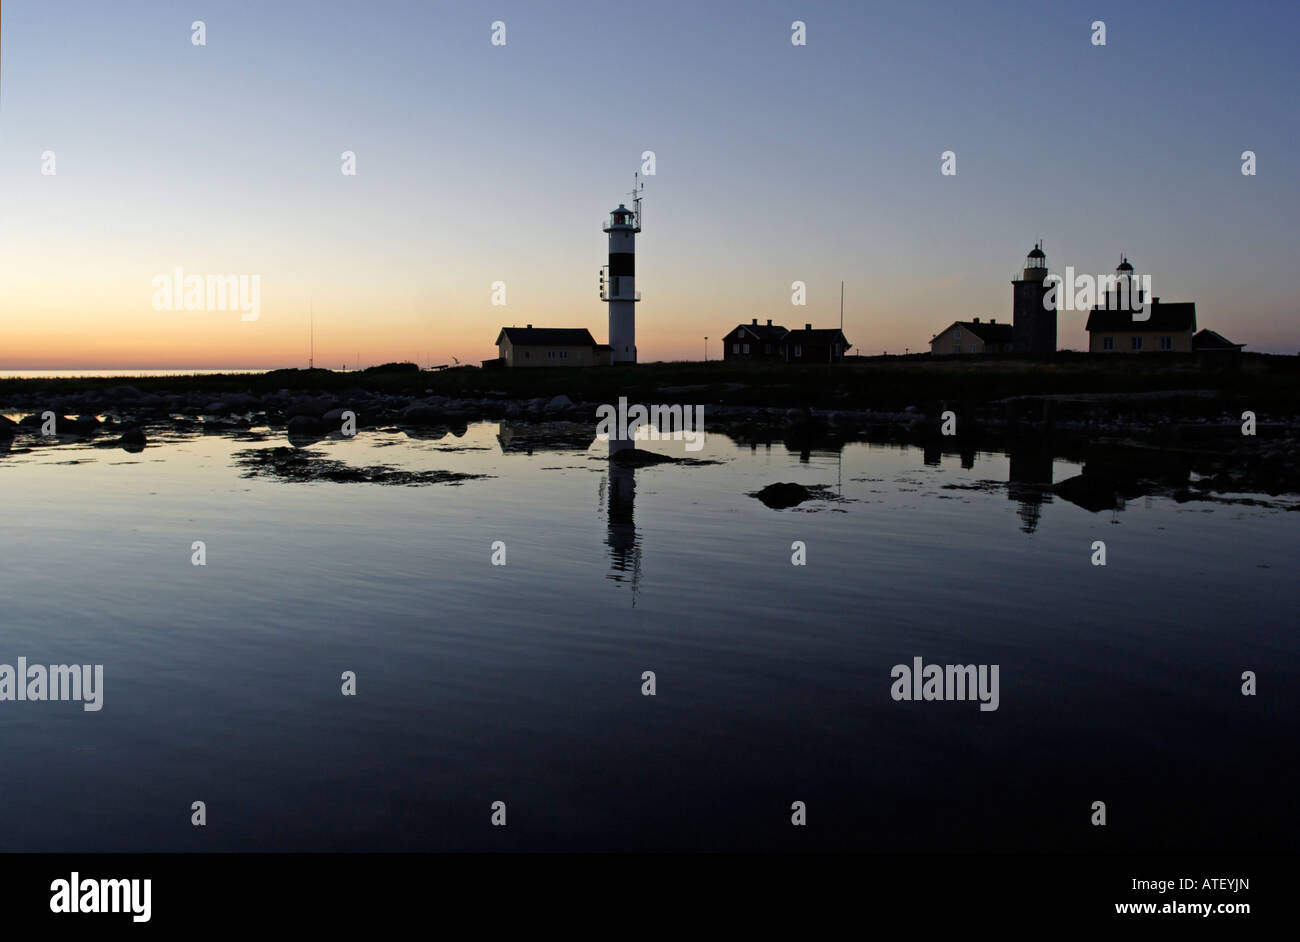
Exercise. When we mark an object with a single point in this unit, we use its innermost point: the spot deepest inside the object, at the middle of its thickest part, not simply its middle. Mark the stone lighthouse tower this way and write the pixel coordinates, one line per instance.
(618, 278)
(1033, 326)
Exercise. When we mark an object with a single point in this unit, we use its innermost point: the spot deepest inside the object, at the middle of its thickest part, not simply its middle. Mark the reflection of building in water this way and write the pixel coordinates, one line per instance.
(618, 493)
(528, 437)
(802, 442)
(1029, 481)
(932, 452)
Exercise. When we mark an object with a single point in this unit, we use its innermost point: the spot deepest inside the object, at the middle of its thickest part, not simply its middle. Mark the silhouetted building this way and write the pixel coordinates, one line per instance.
(549, 346)
(824, 345)
(966, 337)
(618, 278)
(1033, 324)
(1209, 341)
(1124, 321)
(754, 341)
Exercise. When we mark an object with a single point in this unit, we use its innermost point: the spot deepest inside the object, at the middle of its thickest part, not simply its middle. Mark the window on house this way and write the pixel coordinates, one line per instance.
(564, 354)
(1108, 343)
(735, 348)
(767, 348)
(740, 334)
(746, 348)
(798, 350)
(1166, 343)
(1135, 343)
(956, 334)
(550, 354)
(956, 348)
(837, 349)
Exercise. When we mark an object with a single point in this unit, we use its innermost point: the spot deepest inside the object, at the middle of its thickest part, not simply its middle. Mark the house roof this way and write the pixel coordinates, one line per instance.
(1176, 316)
(1207, 339)
(547, 336)
(761, 331)
(824, 335)
(987, 332)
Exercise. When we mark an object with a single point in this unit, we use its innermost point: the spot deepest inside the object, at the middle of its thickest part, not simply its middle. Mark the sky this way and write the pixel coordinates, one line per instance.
(774, 163)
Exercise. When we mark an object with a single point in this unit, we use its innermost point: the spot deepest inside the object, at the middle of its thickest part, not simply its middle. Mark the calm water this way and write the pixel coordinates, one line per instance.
(522, 683)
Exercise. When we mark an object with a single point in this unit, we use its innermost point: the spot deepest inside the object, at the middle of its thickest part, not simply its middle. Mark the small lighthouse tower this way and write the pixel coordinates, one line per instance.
(618, 278)
(1033, 323)
(1128, 294)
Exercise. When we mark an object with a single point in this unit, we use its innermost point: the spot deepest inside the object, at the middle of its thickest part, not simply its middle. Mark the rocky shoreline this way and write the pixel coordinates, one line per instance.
(1130, 443)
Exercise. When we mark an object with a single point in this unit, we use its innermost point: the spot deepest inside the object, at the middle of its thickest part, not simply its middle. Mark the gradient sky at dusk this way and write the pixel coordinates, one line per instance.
(479, 163)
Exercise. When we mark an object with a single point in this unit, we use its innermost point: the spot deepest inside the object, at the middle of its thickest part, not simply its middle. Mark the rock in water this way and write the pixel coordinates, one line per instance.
(639, 458)
(783, 495)
(133, 440)
(305, 430)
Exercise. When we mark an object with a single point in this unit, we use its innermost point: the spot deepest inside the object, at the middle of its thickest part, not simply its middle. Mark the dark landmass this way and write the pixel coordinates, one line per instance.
(1152, 424)
(1183, 381)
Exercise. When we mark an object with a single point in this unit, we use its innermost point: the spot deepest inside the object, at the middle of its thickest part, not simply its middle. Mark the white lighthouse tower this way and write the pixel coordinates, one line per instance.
(618, 278)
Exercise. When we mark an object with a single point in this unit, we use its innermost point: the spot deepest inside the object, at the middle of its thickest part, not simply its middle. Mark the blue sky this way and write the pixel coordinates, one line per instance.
(775, 163)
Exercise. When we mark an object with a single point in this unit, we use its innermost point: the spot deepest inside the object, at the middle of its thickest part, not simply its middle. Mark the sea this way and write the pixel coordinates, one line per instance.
(545, 650)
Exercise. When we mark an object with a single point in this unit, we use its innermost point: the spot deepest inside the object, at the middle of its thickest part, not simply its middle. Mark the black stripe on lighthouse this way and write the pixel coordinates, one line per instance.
(622, 263)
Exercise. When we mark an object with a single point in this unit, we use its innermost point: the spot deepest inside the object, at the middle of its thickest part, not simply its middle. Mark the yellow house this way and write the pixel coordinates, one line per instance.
(550, 346)
(965, 337)
(1168, 329)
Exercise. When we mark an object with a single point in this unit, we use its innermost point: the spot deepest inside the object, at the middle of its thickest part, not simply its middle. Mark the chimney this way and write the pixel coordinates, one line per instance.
(769, 322)
(976, 321)
(530, 326)
(807, 326)
(755, 322)
(993, 320)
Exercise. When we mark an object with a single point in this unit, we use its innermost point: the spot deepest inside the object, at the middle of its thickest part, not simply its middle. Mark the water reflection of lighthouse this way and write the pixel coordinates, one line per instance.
(618, 494)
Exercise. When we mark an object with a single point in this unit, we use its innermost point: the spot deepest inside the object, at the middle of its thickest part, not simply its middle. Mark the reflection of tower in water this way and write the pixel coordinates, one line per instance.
(619, 495)
(1029, 481)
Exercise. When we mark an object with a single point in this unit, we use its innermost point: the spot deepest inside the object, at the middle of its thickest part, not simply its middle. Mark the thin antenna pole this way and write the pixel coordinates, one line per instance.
(841, 307)
(311, 357)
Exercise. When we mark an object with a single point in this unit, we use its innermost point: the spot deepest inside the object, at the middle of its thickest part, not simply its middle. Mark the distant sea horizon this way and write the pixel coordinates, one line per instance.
(72, 373)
